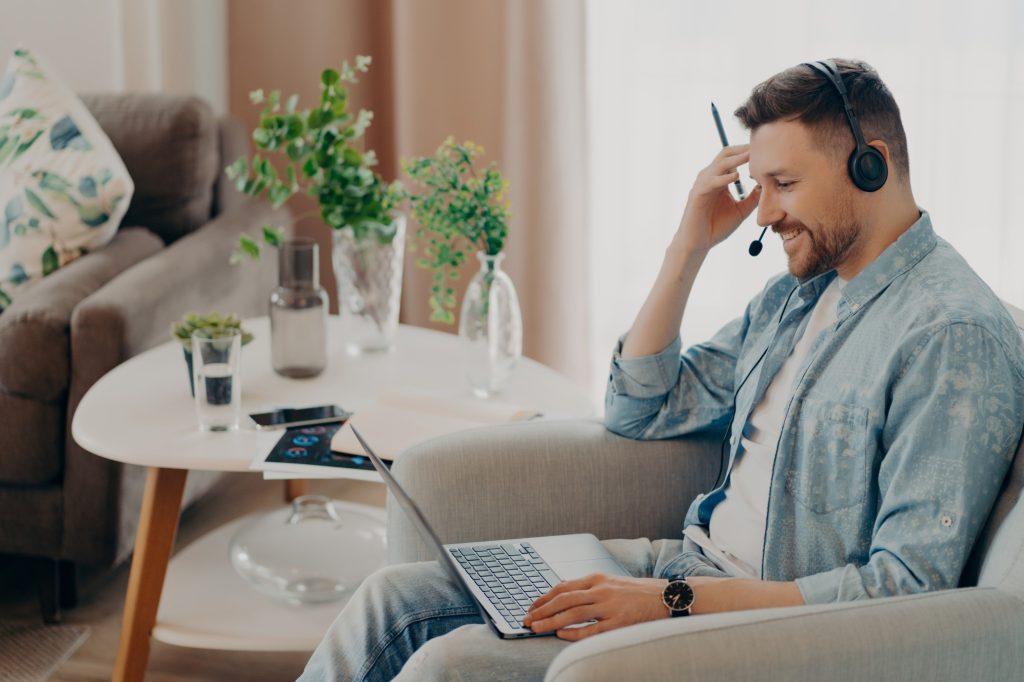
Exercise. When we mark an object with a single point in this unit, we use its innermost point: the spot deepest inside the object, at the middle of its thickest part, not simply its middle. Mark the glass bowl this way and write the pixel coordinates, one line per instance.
(317, 550)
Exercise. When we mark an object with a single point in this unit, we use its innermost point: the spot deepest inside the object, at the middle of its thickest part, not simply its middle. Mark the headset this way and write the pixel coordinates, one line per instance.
(866, 166)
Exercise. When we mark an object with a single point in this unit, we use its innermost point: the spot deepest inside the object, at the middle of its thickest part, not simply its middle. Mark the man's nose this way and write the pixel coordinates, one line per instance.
(768, 210)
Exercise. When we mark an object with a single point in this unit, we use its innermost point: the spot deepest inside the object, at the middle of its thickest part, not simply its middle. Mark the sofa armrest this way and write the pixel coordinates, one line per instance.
(964, 634)
(547, 478)
(35, 328)
(129, 315)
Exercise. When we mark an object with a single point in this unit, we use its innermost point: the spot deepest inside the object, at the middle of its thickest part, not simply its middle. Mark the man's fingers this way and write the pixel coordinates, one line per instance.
(563, 619)
(563, 587)
(559, 603)
(732, 150)
(729, 163)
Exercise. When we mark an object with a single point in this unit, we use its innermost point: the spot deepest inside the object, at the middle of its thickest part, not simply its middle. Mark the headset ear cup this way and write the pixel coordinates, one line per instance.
(868, 170)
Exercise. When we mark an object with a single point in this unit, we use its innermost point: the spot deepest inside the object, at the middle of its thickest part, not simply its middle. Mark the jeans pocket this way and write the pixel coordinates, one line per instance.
(828, 469)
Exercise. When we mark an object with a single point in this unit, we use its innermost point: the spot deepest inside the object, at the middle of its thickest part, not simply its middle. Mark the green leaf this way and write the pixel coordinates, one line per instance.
(290, 105)
(256, 96)
(247, 249)
(50, 261)
(329, 77)
(236, 168)
(23, 147)
(274, 236)
(52, 182)
(38, 204)
(93, 215)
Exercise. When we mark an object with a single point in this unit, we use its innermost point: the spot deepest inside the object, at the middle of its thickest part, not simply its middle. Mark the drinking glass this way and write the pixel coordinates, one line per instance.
(217, 376)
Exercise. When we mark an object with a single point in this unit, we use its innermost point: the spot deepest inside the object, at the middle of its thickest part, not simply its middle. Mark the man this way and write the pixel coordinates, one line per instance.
(872, 398)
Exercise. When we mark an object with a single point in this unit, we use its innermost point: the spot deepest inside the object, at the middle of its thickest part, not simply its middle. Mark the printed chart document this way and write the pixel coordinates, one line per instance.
(396, 421)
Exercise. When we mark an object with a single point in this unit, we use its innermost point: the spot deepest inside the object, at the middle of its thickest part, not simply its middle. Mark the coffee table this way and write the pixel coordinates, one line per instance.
(141, 413)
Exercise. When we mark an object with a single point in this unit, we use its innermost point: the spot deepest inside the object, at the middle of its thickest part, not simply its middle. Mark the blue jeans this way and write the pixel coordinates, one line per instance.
(410, 623)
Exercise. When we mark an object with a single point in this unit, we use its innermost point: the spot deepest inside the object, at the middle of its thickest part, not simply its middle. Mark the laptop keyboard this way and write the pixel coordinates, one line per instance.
(511, 575)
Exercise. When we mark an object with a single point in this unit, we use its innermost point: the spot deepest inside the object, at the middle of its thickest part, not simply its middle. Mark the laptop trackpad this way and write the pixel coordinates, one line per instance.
(570, 570)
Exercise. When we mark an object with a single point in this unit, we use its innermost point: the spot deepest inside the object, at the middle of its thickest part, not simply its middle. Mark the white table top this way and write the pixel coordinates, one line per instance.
(141, 412)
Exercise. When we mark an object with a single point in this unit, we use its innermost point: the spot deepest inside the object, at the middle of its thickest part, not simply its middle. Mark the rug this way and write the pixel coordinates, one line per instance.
(31, 652)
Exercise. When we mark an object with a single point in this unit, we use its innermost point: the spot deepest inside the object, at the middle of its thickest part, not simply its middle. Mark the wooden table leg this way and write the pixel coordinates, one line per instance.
(161, 505)
(295, 487)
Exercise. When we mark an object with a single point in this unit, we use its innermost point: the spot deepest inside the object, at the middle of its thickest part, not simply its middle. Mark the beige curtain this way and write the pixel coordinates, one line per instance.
(509, 75)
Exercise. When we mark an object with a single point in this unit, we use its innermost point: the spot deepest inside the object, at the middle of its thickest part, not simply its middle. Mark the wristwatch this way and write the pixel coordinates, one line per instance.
(678, 596)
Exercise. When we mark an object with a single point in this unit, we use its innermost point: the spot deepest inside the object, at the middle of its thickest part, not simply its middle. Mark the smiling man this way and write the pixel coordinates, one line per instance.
(871, 399)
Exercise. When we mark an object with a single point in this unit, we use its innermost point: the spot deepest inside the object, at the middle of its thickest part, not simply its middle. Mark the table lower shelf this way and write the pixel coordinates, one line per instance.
(206, 605)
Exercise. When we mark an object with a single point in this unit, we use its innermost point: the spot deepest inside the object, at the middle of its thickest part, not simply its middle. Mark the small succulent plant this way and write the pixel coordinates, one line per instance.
(213, 325)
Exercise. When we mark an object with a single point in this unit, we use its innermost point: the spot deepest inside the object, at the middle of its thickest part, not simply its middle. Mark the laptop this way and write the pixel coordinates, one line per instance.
(504, 577)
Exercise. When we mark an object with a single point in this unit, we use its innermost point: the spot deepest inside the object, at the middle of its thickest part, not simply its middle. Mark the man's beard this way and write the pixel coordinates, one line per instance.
(830, 244)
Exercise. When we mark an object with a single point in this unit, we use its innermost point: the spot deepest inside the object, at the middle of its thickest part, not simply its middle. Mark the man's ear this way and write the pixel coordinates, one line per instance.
(883, 149)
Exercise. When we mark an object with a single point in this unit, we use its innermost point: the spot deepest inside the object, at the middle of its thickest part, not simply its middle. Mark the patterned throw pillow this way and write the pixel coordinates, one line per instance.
(63, 188)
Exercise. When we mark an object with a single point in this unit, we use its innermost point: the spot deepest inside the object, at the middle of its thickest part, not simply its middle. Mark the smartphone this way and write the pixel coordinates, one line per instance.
(287, 417)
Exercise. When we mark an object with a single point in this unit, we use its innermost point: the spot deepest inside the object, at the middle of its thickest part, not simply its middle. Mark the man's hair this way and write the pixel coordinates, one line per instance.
(804, 94)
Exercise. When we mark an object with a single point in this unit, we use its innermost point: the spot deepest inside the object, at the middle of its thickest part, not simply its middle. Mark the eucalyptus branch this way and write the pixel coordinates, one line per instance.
(322, 150)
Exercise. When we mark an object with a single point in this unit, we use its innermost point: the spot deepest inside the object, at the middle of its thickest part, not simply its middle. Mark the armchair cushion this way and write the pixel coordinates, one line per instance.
(171, 148)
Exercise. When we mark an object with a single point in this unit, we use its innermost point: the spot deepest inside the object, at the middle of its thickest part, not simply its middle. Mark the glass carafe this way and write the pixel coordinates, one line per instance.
(298, 312)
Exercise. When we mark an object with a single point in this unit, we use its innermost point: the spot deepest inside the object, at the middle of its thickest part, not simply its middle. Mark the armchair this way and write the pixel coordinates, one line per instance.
(58, 502)
(575, 476)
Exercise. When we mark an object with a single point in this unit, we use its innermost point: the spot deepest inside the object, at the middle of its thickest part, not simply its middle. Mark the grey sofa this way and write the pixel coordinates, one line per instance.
(170, 256)
(577, 477)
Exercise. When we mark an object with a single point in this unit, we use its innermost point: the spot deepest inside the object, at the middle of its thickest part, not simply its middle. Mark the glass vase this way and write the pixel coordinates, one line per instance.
(491, 327)
(298, 312)
(369, 277)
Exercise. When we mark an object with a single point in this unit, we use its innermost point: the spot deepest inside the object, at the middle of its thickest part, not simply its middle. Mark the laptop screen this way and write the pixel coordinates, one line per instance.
(418, 520)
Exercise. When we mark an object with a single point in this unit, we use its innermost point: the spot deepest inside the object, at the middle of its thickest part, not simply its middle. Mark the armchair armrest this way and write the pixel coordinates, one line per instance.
(963, 634)
(548, 478)
(131, 314)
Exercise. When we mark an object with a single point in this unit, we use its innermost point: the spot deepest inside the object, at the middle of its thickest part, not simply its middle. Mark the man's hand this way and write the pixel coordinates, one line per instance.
(612, 601)
(711, 213)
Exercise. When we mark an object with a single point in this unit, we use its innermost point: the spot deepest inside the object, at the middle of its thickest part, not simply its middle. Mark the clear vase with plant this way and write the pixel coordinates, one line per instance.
(321, 149)
(462, 208)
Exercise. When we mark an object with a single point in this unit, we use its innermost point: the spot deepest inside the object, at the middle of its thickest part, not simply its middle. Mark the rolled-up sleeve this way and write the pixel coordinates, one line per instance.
(950, 434)
(666, 394)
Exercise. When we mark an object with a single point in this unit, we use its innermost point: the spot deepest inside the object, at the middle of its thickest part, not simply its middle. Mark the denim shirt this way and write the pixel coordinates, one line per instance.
(902, 423)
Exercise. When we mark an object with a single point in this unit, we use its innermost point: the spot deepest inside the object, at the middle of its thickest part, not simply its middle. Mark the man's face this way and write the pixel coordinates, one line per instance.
(805, 197)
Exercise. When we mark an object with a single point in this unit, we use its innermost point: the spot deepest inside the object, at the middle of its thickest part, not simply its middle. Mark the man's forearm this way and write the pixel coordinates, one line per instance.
(714, 595)
(658, 321)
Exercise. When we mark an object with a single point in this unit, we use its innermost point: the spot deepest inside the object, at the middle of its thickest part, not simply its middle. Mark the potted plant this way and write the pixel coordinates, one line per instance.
(213, 325)
(461, 208)
(322, 156)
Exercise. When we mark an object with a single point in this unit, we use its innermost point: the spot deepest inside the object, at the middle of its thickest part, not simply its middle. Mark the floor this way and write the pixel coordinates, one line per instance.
(102, 598)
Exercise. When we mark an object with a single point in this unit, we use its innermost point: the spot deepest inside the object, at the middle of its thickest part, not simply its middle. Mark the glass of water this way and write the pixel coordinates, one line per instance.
(217, 375)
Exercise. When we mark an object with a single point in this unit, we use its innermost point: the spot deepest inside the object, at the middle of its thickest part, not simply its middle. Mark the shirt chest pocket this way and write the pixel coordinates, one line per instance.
(828, 455)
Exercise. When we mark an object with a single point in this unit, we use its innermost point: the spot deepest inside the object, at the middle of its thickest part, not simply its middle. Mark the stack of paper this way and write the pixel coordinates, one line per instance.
(397, 420)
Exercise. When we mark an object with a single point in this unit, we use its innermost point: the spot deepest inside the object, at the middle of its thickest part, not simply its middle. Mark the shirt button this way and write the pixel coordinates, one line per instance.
(947, 521)
(732, 440)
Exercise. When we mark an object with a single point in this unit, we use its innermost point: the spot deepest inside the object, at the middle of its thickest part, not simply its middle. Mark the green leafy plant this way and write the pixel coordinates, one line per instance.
(459, 207)
(323, 158)
(213, 325)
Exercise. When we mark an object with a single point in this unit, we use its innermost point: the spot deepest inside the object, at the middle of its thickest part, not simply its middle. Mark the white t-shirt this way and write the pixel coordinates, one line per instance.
(735, 541)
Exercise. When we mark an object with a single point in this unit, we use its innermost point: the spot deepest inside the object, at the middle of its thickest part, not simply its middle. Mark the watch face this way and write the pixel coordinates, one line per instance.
(678, 595)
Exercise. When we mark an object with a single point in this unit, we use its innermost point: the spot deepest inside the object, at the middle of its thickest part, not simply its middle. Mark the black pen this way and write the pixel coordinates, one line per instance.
(725, 143)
